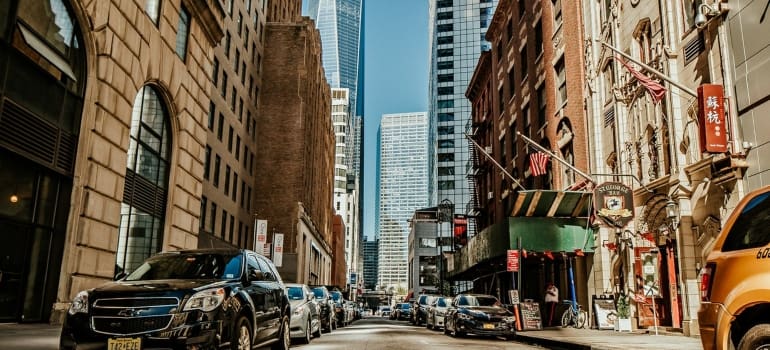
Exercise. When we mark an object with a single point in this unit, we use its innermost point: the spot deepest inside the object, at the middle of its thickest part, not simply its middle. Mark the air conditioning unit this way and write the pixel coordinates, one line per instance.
(488, 149)
(490, 195)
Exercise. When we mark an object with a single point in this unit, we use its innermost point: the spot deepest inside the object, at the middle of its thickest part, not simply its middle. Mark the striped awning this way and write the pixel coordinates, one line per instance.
(553, 203)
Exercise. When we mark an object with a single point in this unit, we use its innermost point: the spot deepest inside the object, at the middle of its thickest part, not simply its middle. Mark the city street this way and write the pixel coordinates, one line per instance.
(375, 333)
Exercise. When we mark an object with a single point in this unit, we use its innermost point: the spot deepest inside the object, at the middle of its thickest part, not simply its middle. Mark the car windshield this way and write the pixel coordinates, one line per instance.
(336, 296)
(295, 293)
(441, 302)
(469, 300)
(319, 293)
(404, 306)
(188, 266)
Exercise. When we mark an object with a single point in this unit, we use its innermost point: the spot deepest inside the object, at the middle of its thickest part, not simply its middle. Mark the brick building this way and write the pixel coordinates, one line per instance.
(530, 82)
(295, 151)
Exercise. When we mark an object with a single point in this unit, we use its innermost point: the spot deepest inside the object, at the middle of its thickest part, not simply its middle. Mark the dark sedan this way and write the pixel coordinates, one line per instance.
(404, 311)
(479, 314)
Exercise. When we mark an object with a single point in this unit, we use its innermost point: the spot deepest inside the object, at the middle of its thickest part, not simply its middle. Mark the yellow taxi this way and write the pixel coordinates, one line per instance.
(735, 282)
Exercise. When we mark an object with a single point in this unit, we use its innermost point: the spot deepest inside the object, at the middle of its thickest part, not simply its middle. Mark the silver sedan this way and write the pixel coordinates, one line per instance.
(436, 312)
(305, 316)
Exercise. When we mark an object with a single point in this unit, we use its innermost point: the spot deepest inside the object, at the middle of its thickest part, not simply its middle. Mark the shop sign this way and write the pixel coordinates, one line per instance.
(614, 203)
(711, 118)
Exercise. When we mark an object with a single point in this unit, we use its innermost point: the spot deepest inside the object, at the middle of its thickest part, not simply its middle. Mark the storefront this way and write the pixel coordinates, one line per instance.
(42, 83)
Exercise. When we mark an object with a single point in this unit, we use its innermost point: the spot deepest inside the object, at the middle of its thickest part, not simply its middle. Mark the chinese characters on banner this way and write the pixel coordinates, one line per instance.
(711, 118)
(260, 236)
(278, 249)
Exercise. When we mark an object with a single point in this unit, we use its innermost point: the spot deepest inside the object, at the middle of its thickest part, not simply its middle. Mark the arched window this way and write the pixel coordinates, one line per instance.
(144, 200)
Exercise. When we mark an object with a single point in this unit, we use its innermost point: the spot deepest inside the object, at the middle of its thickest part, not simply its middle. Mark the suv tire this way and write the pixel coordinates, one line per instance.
(241, 338)
(284, 338)
(756, 337)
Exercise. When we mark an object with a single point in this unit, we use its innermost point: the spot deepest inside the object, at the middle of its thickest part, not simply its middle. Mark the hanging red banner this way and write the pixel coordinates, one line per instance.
(711, 118)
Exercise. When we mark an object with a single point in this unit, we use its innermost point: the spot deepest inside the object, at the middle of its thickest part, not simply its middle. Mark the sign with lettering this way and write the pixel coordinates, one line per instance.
(711, 118)
(614, 203)
(513, 260)
(278, 249)
(530, 316)
(260, 236)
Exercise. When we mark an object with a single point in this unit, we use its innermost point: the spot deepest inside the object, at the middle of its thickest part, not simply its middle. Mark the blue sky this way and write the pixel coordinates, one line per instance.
(395, 75)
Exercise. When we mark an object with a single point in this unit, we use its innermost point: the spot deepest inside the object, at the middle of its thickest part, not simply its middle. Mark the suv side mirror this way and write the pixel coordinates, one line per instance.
(256, 275)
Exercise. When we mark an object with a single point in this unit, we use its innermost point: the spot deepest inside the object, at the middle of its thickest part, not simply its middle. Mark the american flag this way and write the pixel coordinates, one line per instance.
(537, 162)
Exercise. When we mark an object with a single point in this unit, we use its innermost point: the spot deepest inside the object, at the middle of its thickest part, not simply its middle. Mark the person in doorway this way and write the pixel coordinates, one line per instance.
(551, 299)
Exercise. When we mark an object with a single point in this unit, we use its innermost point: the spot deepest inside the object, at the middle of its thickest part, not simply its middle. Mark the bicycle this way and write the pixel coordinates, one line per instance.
(574, 315)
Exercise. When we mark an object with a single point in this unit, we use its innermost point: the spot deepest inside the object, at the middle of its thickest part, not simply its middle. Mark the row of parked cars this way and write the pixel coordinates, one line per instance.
(202, 299)
(478, 314)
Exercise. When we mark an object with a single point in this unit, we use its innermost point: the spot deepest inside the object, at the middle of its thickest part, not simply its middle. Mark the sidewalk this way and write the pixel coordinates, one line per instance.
(592, 339)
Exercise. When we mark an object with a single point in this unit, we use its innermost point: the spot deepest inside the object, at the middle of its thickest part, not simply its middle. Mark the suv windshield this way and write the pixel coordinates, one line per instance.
(319, 293)
(188, 266)
(750, 228)
(295, 293)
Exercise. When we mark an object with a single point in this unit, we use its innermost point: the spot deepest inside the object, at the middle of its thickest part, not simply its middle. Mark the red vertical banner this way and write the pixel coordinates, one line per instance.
(711, 118)
(513, 260)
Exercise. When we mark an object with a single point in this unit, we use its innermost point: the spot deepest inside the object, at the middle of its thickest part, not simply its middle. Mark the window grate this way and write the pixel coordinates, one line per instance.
(609, 117)
(693, 48)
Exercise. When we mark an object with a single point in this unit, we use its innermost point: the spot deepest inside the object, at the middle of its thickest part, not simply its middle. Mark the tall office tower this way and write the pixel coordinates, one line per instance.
(370, 255)
(339, 22)
(457, 29)
(403, 179)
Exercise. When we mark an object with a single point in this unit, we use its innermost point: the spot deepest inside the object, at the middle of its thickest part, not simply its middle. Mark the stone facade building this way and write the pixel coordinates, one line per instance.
(115, 95)
(295, 151)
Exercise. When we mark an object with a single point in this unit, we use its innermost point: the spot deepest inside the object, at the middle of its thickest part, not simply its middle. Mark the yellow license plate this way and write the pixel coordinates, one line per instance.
(489, 326)
(124, 344)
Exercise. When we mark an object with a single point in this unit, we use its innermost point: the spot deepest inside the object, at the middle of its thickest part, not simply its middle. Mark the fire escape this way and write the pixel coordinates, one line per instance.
(473, 169)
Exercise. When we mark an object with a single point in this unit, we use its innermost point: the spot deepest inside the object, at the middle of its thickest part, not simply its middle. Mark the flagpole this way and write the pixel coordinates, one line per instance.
(543, 149)
(493, 161)
(650, 69)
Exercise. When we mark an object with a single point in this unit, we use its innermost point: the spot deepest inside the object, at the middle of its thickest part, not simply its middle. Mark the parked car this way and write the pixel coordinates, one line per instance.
(436, 312)
(735, 281)
(339, 308)
(420, 307)
(184, 299)
(479, 314)
(385, 311)
(403, 311)
(305, 316)
(350, 311)
(326, 305)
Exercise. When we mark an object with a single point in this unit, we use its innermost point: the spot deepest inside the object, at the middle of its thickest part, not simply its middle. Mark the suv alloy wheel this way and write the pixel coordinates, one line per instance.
(242, 335)
(285, 338)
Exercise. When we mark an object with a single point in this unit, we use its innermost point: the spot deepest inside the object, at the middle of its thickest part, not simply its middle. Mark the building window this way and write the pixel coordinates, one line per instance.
(556, 13)
(212, 112)
(446, 130)
(541, 103)
(444, 52)
(227, 180)
(443, 78)
(522, 9)
(446, 157)
(223, 90)
(446, 143)
(443, 28)
(227, 44)
(539, 38)
(442, 40)
(221, 126)
(445, 90)
(445, 65)
(500, 101)
(210, 225)
(514, 151)
(223, 226)
(445, 103)
(446, 117)
(443, 3)
(207, 163)
(446, 185)
(444, 15)
(512, 82)
(217, 165)
(561, 81)
(182, 33)
(202, 221)
(152, 8)
(230, 140)
(234, 193)
(237, 147)
(523, 61)
(446, 171)
(142, 213)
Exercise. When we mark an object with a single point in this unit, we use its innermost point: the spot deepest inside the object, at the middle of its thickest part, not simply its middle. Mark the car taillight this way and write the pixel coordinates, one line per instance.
(705, 282)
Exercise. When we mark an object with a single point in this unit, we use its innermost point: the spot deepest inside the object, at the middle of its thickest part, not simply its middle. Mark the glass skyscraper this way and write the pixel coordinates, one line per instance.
(404, 171)
(457, 29)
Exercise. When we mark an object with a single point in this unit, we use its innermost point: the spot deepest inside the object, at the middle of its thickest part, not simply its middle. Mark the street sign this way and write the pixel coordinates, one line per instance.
(614, 203)
(513, 294)
(260, 236)
(513, 260)
(278, 249)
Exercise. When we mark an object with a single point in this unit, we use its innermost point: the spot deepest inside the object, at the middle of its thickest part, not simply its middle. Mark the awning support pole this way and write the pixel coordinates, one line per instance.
(568, 165)
(494, 161)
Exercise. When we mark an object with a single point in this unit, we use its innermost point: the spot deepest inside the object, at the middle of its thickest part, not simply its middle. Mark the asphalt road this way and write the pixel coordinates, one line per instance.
(376, 333)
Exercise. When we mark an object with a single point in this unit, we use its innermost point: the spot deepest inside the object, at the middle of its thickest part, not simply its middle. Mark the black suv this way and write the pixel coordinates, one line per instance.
(324, 299)
(420, 308)
(202, 299)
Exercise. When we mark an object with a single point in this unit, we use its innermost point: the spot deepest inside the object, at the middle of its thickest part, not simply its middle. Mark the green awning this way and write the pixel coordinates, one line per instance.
(552, 203)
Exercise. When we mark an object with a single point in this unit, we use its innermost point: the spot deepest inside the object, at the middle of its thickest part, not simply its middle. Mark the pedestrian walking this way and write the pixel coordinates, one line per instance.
(551, 299)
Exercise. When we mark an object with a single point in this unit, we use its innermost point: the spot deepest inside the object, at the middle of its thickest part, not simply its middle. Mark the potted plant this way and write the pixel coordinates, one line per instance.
(623, 307)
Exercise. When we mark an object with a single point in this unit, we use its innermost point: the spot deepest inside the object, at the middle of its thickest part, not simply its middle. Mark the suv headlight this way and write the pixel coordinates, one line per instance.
(464, 316)
(509, 319)
(299, 309)
(79, 304)
(206, 300)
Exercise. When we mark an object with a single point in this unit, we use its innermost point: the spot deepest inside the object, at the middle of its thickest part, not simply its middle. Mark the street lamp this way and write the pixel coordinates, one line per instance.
(672, 213)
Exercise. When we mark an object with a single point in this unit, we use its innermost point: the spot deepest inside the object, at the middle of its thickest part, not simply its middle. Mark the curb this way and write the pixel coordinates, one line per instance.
(551, 343)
